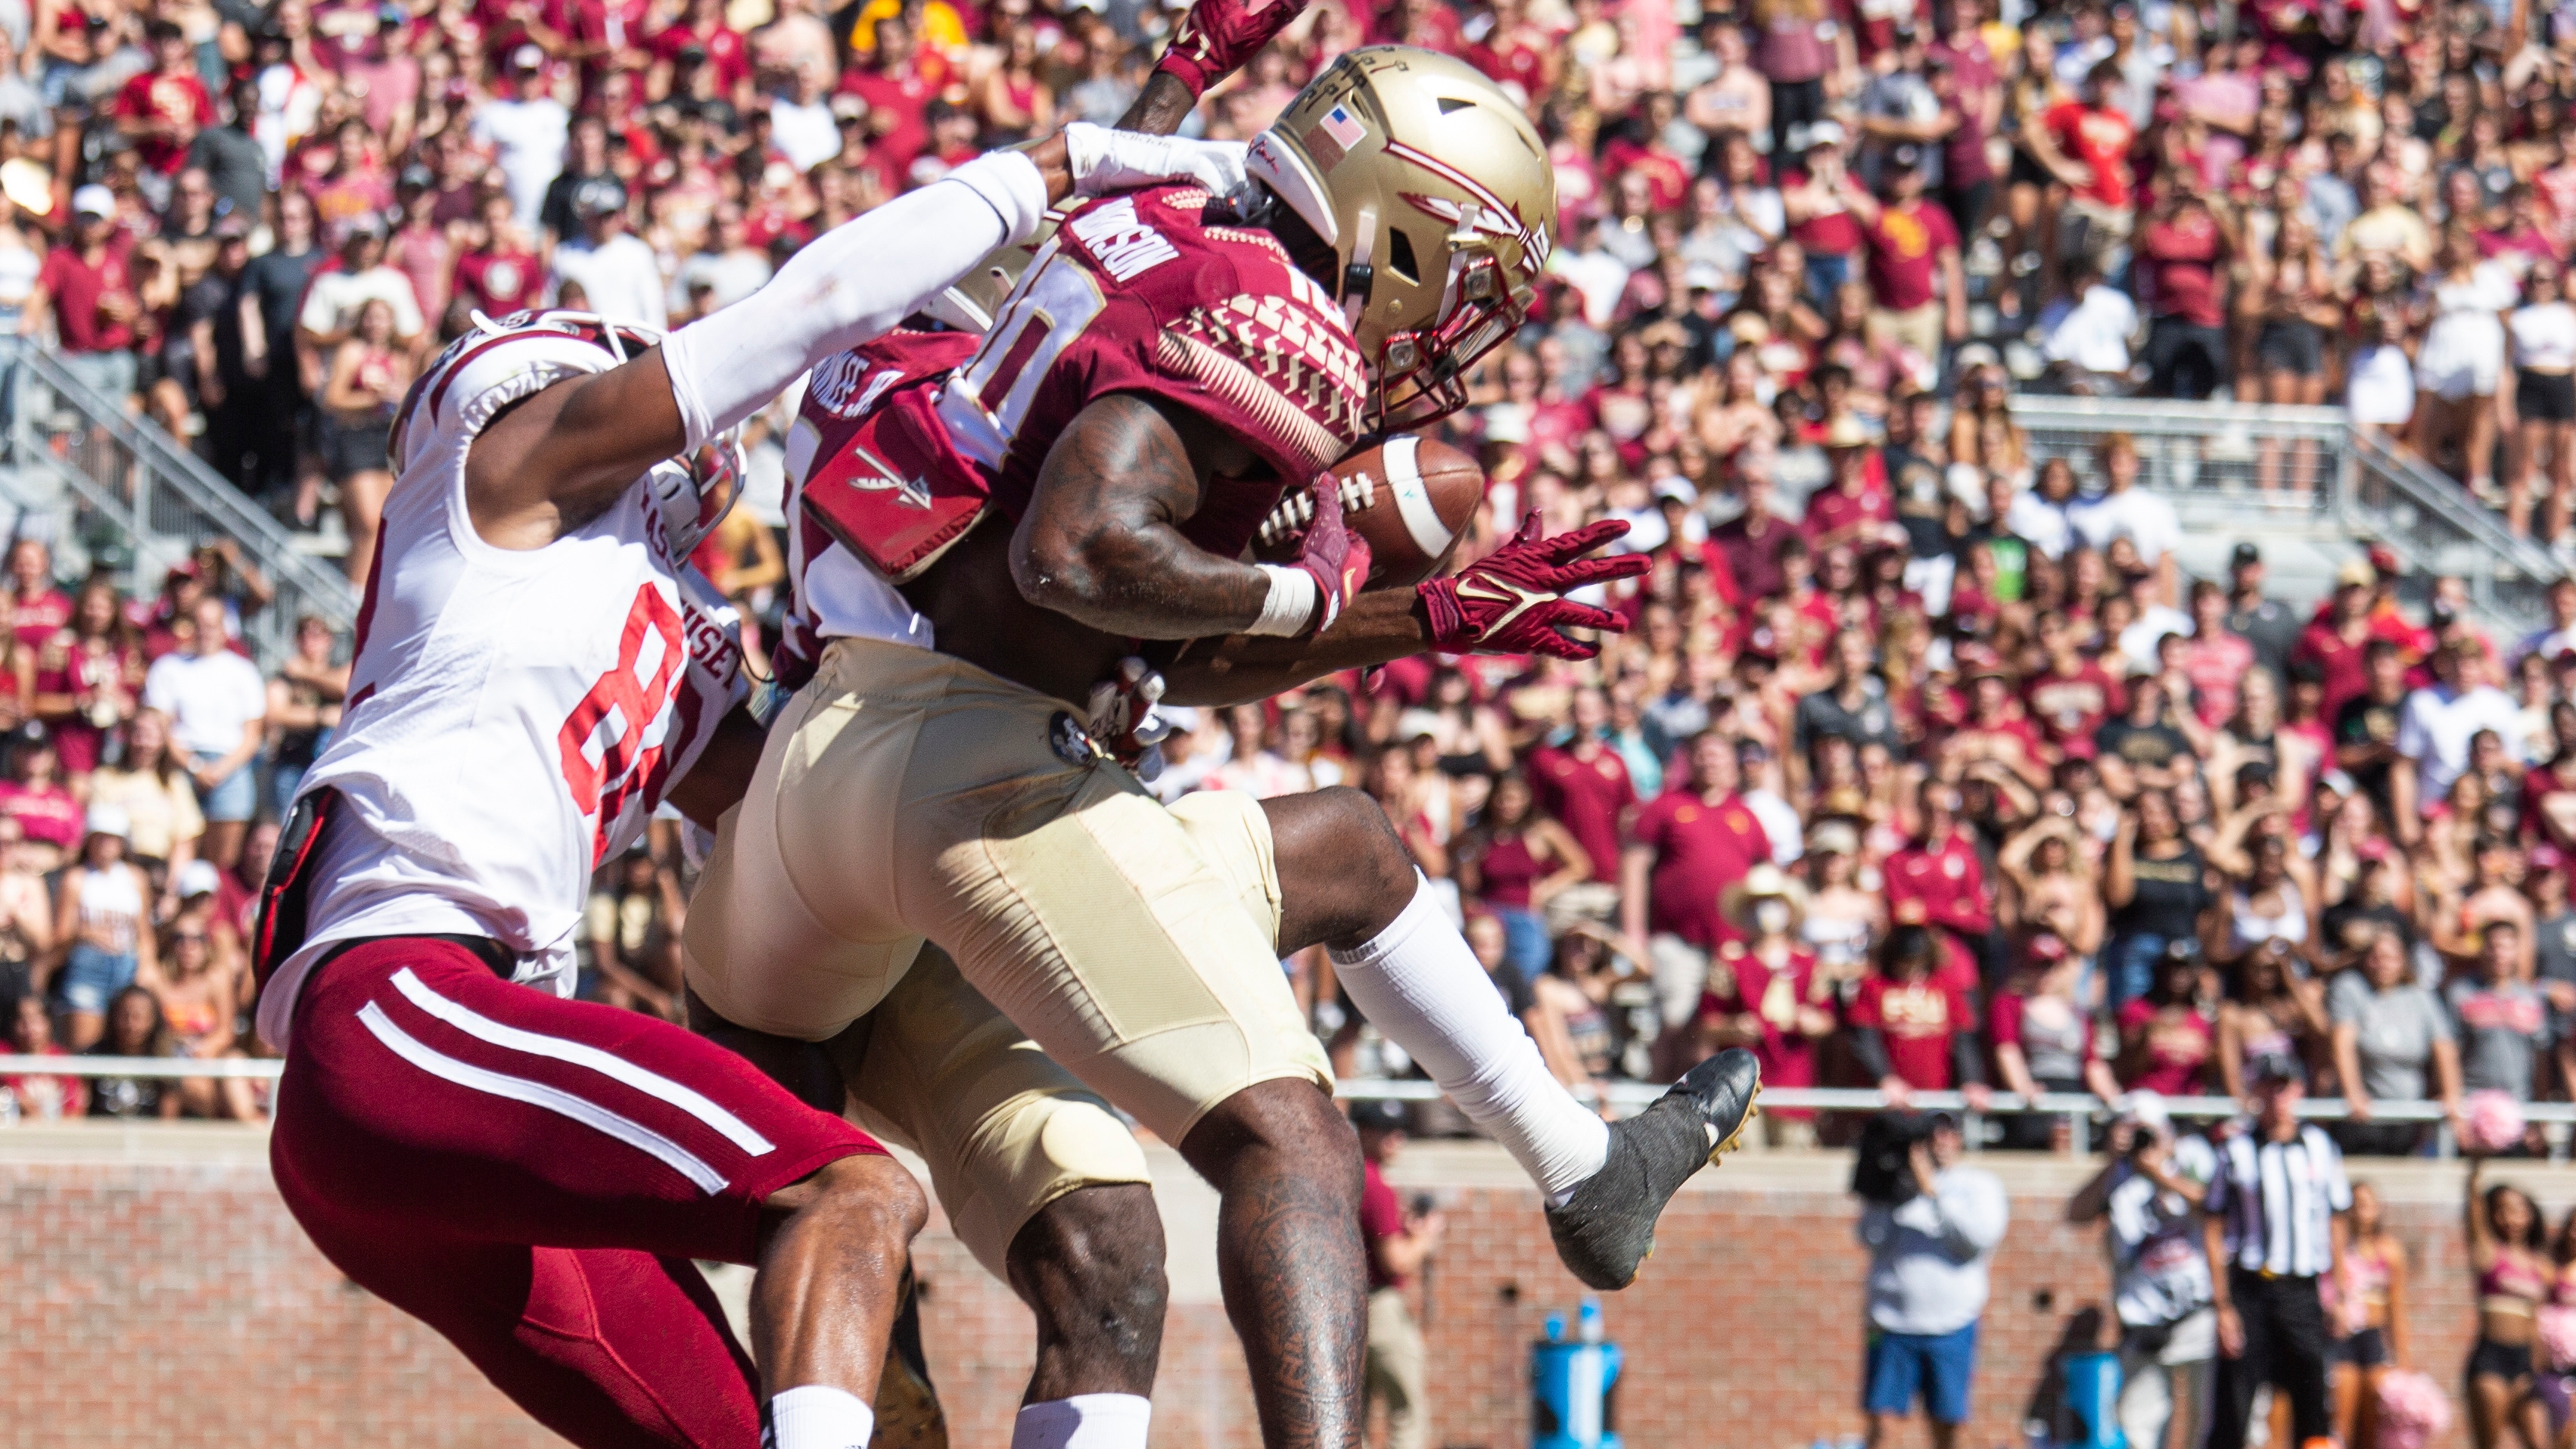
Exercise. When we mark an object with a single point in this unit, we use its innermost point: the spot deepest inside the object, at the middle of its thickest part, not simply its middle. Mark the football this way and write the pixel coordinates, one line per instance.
(1409, 497)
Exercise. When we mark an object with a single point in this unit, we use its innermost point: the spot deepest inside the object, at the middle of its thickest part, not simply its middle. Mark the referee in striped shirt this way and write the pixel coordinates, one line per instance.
(2276, 1224)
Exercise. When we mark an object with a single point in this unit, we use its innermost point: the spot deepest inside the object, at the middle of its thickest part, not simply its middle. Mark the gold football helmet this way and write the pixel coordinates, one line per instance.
(1436, 196)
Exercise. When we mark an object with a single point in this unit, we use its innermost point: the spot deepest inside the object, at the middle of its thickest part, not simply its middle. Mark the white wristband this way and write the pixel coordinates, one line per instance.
(1290, 604)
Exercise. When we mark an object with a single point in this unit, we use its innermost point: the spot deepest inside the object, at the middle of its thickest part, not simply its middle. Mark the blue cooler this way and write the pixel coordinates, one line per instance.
(1572, 1403)
(2093, 1398)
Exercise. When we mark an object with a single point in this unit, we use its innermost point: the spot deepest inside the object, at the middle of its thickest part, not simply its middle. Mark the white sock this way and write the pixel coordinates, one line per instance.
(812, 1416)
(1422, 986)
(1085, 1421)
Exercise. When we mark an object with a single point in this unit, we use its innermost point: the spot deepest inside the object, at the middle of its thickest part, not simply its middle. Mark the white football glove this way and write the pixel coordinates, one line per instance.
(1104, 160)
(1124, 717)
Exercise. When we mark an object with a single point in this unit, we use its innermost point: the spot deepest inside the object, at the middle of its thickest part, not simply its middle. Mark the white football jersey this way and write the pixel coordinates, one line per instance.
(514, 716)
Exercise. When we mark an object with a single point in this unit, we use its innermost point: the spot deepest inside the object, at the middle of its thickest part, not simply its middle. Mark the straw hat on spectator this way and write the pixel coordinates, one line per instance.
(1763, 882)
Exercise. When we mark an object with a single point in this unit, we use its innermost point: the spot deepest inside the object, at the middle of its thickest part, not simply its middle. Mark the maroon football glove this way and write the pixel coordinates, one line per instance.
(1337, 558)
(1218, 36)
(1512, 601)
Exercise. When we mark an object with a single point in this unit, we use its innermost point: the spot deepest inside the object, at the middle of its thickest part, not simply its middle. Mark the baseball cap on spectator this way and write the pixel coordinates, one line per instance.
(2384, 559)
(415, 178)
(1822, 133)
(199, 878)
(2245, 553)
(93, 200)
(847, 107)
(527, 59)
(364, 224)
(1673, 489)
(108, 819)
(1905, 158)
(2355, 574)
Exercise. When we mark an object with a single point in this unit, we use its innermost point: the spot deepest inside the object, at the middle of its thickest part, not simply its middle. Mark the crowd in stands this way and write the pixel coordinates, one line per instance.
(144, 764)
(1923, 763)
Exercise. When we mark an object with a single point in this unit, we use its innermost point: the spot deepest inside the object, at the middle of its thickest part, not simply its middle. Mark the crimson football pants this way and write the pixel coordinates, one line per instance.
(531, 1176)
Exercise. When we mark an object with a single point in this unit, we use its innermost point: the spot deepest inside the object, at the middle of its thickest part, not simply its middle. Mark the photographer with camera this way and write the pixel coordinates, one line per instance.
(1931, 1226)
(2149, 1195)
(1400, 1241)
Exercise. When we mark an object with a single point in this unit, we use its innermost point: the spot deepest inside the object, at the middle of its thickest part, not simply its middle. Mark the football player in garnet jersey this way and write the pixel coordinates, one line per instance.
(985, 529)
(526, 1173)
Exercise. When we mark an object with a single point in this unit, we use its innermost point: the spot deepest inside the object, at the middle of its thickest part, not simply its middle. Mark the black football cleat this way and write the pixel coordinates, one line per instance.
(1604, 1232)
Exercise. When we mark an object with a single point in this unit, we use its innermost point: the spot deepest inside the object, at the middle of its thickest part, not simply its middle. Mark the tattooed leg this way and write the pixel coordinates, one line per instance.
(1289, 1256)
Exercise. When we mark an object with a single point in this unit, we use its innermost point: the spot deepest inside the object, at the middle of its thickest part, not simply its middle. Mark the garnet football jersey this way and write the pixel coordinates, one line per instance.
(1138, 294)
(898, 448)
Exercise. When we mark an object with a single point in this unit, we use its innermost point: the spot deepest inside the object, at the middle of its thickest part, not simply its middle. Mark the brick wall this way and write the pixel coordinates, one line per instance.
(171, 1300)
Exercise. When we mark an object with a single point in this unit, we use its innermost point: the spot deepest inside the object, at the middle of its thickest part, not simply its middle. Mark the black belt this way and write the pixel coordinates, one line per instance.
(503, 961)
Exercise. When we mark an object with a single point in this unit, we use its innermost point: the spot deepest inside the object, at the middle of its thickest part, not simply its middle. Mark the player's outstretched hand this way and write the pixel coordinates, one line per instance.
(1218, 36)
(1512, 601)
(1103, 160)
(1336, 557)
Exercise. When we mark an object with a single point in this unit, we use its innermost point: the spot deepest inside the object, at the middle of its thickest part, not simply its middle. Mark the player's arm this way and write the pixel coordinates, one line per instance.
(564, 454)
(1511, 601)
(721, 774)
(1101, 542)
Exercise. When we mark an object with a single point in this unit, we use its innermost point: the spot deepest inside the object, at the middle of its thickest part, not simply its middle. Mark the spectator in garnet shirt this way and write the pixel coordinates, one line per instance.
(163, 109)
(2181, 251)
(34, 795)
(2074, 696)
(1855, 505)
(1686, 847)
(2336, 641)
(2166, 1040)
(1584, 783)
(1942, 880)
(1763, 995)
(36, 607)
(86, 293)
(1912, 242)
(1913, 1029)
(1751, 542)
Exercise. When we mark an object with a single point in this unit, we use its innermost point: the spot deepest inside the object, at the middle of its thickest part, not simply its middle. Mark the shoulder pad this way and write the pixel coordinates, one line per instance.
(1233, 319)
(499, 363)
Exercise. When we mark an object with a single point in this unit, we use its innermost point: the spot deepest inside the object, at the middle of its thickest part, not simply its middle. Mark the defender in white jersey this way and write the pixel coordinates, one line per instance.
(536, 672)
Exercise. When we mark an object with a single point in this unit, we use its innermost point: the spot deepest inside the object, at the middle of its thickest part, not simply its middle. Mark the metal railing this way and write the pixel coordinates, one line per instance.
(2308, 463)
(2074, 1106)
(110, 491)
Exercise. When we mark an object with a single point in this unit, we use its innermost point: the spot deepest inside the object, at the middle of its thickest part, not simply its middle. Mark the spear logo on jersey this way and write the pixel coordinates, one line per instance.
(874, 475)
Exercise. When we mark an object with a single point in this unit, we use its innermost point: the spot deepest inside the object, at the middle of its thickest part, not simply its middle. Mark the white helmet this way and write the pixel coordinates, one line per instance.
(502, 362)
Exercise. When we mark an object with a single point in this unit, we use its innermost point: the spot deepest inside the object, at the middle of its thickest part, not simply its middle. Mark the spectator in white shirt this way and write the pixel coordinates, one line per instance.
(2093, 333)
(801, 124)
(527, 131)
(1928, 1286)
(2126, 511)
(333, 300)
(2440, 719)
(619, 277)
(218, 709)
